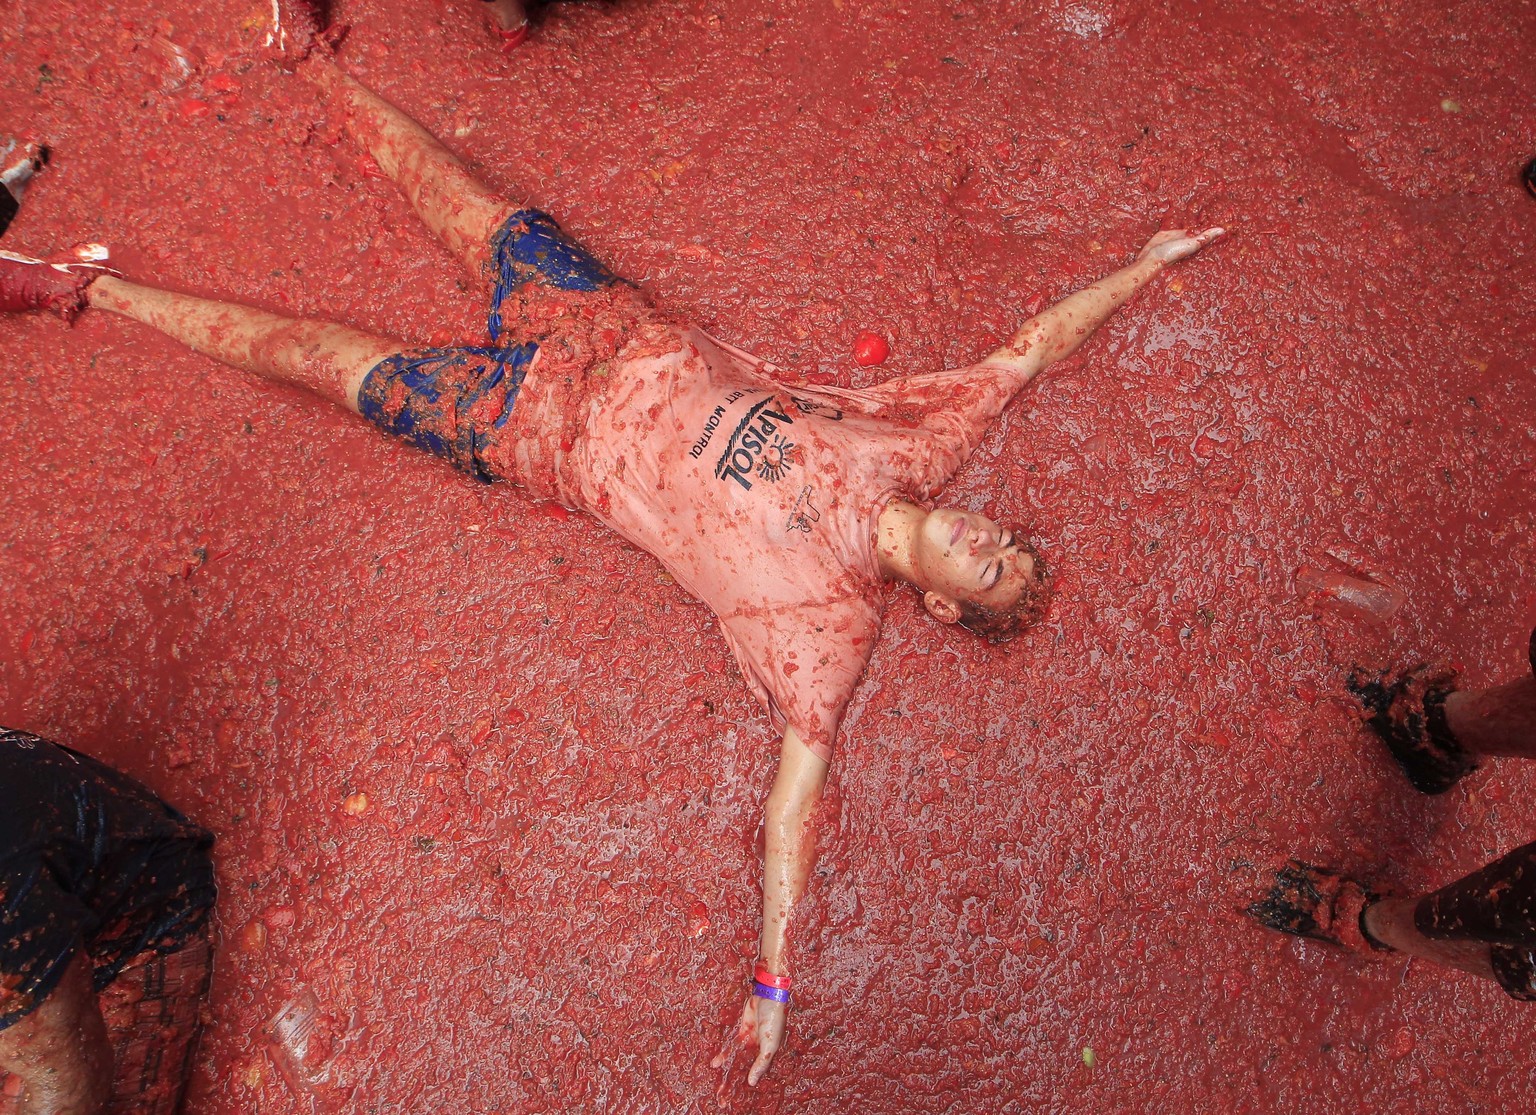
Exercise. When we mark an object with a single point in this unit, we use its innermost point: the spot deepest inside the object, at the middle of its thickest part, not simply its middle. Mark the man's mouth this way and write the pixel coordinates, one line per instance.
(957, 532)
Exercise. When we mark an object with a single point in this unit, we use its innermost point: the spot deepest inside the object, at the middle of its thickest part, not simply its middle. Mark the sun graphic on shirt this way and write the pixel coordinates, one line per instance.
(778, 456)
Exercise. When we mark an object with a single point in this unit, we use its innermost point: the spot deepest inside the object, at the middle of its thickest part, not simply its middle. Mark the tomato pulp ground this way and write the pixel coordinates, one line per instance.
(486, 783)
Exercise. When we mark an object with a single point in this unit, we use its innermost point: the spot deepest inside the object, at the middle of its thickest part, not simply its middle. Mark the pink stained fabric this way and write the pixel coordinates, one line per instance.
(759, 494)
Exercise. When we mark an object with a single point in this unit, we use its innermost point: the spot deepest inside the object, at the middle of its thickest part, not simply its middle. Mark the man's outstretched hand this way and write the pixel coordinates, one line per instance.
(761, 1025)
(1174, 244)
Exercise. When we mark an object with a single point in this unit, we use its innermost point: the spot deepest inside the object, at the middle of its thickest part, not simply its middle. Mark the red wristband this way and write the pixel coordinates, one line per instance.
(764, 976)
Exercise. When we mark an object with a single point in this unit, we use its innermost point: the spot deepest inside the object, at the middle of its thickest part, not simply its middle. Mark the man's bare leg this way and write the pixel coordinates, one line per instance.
(462, 211)
(1390, 921)
(1452, 926)
(330, 360)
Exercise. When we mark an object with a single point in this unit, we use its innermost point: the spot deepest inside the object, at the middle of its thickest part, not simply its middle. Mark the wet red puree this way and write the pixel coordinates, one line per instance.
(486, 781)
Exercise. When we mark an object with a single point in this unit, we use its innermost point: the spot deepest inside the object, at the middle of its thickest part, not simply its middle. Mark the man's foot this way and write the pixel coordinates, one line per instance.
(1308, 901)
(1407, 712)
(59, 286)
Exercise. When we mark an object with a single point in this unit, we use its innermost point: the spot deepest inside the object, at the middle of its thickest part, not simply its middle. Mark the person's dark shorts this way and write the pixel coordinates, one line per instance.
(1498, 905)
(89, 858)
(92, 861)
(453, 401)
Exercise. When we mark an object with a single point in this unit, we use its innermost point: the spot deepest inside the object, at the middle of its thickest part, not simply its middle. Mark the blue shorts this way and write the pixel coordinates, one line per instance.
(531, 249)
(449, 401)
(452, 402)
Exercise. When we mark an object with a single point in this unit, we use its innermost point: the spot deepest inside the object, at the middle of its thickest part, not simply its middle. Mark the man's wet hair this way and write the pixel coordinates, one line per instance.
(1000, 625)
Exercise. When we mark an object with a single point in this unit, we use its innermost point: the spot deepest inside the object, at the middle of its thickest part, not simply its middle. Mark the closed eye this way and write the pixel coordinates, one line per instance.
(994, 571)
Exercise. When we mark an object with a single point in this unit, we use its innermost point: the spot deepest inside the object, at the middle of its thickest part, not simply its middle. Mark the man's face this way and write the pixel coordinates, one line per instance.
(961, 555)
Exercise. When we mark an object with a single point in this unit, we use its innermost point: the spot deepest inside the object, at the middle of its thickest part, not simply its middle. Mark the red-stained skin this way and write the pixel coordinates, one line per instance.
(262, 608)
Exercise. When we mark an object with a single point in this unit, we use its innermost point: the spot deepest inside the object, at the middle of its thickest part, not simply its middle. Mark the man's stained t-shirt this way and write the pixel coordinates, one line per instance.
(88, 858)
(760, 495)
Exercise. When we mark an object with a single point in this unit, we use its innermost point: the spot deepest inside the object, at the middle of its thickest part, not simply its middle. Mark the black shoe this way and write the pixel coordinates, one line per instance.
(1308, 901)
(1407, 712)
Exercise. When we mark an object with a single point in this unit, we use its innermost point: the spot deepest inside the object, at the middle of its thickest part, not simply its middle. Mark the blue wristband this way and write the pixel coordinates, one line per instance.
(763, 991)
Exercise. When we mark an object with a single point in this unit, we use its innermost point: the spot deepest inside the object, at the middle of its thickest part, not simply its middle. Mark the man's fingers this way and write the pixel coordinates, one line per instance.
(746, 1027)
(1173, 244)
(759, 1067)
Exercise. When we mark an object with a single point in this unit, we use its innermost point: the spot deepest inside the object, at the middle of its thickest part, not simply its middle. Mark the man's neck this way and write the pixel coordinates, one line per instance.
(895, 533)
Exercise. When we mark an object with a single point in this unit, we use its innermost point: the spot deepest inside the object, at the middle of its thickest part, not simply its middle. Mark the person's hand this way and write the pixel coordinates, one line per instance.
(1174, 244)
(762, 1025)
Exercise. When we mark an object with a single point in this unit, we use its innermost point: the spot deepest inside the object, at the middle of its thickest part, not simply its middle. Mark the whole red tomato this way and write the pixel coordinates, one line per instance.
(870, 349)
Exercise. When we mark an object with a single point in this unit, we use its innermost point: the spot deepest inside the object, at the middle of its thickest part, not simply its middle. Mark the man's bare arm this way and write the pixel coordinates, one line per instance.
(1060, 331)
(961, 403)
(60, 1050)
(789, 854)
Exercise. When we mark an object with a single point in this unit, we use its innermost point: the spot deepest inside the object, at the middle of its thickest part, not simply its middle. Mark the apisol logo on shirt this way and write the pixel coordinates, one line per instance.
(756, 447)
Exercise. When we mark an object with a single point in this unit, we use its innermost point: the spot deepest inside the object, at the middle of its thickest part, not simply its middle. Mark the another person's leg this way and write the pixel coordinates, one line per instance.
(153, 1013)
(1484, 923)
(1500, 721)
(107, 962)
(1438, 733)
(55, 1054)
(511, 19)
(1391, 922)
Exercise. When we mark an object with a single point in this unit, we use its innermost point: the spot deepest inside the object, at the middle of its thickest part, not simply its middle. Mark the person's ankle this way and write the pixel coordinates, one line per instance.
(320, 70)
(99, 293)
(1377, 924)
(1444, 711)
(1387, 923)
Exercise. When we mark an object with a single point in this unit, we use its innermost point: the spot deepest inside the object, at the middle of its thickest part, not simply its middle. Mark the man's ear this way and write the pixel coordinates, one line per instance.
(941, 607)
